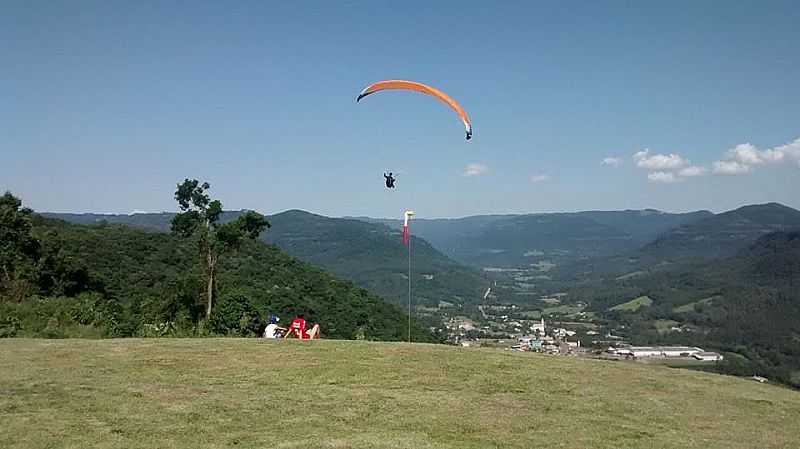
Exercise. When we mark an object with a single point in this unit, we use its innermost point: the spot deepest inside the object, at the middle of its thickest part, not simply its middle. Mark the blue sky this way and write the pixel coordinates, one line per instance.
(105, 106)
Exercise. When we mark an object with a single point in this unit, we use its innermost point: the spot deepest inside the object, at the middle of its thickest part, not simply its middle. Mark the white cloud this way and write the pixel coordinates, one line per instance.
(748, 154)
(745, 153)
(739, 160)
(659, 161)
(662, 177)
(790, 151)
(692, 170)
(730, 168)
(772, 156)
(743, 157)
(612, 162)
(639, 155)
(475, 169)
(539, 178)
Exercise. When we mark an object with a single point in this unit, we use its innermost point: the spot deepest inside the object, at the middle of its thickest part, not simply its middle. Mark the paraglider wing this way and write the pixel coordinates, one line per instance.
(423, 88)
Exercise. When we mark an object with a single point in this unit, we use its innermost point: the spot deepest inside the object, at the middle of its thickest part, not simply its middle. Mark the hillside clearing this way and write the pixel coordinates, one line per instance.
(565, 309)
(665, 326)
(634, 304)
(631, 275)
(531, 314)
(690, 307)
(203, 393)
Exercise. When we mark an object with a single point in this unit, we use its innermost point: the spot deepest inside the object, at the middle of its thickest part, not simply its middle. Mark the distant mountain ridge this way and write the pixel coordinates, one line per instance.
(519, 240)
(150, 221)
(371, 255)
(724, 234)
(579, 246)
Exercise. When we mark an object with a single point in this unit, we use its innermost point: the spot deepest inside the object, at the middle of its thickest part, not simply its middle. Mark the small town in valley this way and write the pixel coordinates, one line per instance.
(511, 327)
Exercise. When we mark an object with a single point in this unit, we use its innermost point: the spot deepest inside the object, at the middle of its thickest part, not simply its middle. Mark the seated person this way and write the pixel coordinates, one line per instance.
(273, 330)
(313, 333)
(298, 329)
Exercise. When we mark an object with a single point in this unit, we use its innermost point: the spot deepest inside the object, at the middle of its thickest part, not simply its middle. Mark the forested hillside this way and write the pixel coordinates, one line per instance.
(371, 255)
(560, 238)
(747, 304)
(111, 280)
(724, 234)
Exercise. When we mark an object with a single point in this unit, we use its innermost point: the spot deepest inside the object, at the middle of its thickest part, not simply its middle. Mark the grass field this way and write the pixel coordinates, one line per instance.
(532, 314)
(214, 393)
(664, 326)
(690, 307)
(634, 304)
(565, 309)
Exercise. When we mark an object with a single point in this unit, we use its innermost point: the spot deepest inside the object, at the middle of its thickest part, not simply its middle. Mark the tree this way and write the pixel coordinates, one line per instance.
(19, 250)
(200, 219)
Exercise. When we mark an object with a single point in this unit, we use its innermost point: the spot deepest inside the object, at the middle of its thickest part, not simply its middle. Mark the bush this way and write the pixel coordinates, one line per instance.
(233, 314)
(157, 329)
(9, 325)
(53, 329)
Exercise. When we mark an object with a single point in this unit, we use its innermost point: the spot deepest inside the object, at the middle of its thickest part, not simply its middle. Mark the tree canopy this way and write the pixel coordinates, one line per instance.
(199, 219)
(108, 280)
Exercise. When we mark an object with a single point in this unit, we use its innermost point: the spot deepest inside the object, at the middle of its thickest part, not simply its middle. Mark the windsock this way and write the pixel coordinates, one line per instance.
(406, 218)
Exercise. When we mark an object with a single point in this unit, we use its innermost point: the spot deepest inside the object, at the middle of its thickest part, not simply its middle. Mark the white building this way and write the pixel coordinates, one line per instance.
(659, 351)
(538, 327)
(467, 325)
(708, 356)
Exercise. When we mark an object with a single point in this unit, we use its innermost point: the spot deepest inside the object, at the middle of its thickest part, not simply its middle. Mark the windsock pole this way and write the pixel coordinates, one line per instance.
(407, 241)
(409, 291)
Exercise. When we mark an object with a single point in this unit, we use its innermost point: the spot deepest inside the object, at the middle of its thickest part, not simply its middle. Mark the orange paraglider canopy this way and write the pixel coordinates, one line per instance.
(423, 88)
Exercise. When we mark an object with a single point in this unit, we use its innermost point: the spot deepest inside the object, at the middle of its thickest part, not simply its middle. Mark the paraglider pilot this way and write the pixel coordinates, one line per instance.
(389, 180)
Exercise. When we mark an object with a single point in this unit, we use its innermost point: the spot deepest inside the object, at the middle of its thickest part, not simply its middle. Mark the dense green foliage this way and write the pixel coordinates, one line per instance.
(30, 265)
(111, 280)
(371, 255)
(199, 220)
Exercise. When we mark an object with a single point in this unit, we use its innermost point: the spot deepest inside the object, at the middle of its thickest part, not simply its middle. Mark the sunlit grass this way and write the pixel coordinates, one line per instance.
(204, 393)
(634, 304)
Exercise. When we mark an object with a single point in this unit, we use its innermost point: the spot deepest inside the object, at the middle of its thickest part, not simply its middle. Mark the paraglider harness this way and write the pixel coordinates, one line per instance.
(389, 180)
